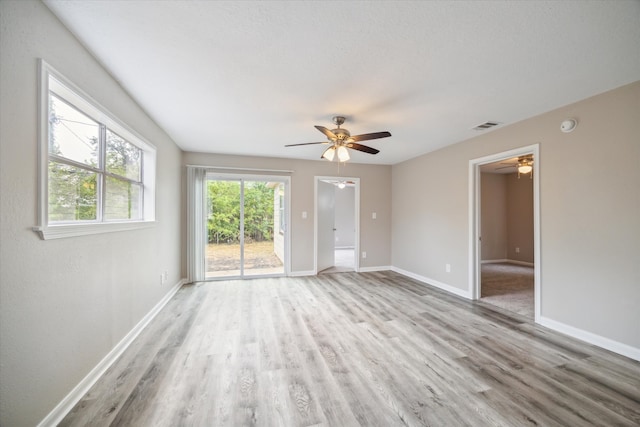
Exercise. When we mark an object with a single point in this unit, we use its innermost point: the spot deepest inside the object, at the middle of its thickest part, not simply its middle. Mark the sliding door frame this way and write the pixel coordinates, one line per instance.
(242, 178)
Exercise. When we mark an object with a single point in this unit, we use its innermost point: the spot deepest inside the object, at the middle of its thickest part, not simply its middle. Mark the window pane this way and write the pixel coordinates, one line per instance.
(72, 193)
(123, 158)
(72, 134)
(123, 200)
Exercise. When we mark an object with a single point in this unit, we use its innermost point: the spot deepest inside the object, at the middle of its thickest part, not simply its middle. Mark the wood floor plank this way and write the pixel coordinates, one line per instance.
(354, 349)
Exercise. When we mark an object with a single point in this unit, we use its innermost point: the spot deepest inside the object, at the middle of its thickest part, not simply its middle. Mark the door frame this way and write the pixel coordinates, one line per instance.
(356, 250)
(475, 224)
(242, 177)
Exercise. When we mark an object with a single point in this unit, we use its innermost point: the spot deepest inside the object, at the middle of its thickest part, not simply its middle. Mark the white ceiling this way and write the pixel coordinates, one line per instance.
(244, 77)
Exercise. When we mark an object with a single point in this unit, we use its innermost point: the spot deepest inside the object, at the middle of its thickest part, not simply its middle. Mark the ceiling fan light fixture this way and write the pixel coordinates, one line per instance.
(525, 168)
(342, 184)
(343, 153)
(329, 153)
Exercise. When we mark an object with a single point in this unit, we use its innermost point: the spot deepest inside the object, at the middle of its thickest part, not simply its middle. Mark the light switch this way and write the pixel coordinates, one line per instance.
(374, 215)
(304, 214)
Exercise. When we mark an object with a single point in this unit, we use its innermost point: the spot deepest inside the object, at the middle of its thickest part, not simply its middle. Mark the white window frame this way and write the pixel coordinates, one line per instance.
(49, 78)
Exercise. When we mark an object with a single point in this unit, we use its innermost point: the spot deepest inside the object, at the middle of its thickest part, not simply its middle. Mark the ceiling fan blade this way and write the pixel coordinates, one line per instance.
(327, 132)
(307, 143)
(506, 167)
(368, 136)
(362, 148)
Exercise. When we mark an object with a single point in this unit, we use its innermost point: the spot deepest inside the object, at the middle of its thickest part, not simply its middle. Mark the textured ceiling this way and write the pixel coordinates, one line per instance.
(247, 78)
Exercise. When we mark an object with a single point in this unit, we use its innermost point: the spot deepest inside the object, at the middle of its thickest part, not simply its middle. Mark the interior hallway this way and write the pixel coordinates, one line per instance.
(344, 261)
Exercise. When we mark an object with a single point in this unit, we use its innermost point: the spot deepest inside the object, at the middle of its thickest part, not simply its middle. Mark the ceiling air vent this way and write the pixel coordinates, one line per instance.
(486, 125)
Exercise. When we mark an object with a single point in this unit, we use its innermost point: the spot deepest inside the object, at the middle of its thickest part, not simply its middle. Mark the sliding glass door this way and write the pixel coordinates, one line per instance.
(245, 226)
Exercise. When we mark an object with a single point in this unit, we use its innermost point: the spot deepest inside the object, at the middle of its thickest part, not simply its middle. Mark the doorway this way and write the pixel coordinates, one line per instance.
(245, 226)
(505, 231)
(336, 224)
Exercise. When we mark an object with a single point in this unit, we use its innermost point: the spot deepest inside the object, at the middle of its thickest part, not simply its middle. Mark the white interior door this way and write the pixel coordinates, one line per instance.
(326, 225)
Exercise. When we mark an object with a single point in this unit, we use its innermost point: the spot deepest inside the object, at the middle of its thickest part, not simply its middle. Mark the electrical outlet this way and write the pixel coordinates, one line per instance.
(447, 268)
(161, 278)
(374, 215)
(364, 254)
(517, 250)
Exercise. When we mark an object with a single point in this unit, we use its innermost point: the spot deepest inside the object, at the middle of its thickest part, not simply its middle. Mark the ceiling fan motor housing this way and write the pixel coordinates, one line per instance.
(342, 134)
(339, 120)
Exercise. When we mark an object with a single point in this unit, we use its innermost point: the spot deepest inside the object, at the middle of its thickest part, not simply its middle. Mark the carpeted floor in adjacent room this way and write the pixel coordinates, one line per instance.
(509, 286)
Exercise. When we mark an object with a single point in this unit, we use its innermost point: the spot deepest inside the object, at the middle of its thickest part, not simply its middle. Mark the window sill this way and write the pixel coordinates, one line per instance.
(72, 230)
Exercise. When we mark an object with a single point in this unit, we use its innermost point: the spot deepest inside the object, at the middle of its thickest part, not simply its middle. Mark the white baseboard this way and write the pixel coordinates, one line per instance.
(62, 409)
(528, 264)
(301, 273)
(591, 338)
(371, 269)
(451, 289)
(510, 261)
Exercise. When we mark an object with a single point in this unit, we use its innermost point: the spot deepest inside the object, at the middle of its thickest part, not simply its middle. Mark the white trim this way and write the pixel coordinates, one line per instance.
(287, 227)
(49, 232)
(474, 221)
(526, 264)
(356, 247)
(448, 288)
(62, 409)
(225, 168)
(378, 268)
(591, 338)
(301, 273)
(49, 79)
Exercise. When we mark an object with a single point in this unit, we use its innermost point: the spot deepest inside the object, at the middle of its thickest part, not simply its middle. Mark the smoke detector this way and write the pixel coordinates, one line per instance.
(568, 125)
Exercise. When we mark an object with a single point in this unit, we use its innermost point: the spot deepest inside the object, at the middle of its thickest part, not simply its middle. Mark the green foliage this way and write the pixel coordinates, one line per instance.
(223, 222)
(122, 157)
(73, 191)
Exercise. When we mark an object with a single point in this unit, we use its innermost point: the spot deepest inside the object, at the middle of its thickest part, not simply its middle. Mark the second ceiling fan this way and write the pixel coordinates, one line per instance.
(341, 139)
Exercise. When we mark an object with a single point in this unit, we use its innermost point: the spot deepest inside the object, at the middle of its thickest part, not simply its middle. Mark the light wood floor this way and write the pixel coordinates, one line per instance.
(373, 349)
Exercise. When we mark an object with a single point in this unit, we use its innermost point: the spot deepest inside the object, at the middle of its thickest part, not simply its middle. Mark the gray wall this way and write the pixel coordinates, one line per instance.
(590, 212)
(493, 216)
(65, 303)
(375, 196)
(519, 217)
(506, 217)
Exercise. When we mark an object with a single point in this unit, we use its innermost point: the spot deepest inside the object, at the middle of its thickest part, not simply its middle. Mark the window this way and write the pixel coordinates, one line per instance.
(96, 175)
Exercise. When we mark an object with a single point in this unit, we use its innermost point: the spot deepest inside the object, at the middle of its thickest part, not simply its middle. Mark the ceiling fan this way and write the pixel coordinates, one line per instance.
(524, 164)
(340, 139)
